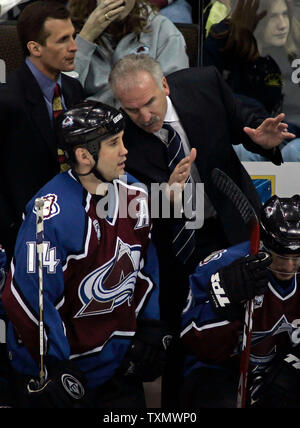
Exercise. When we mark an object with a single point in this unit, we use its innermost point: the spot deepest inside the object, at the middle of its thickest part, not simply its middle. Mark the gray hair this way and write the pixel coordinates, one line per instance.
(123, 71)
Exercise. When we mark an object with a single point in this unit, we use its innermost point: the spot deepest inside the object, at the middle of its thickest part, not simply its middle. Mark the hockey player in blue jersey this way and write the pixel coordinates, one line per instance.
(213, 318)
(102, 333)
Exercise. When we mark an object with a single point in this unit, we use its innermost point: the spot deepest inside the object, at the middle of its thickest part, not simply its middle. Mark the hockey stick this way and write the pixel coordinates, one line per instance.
(249, 217)
(39, 205)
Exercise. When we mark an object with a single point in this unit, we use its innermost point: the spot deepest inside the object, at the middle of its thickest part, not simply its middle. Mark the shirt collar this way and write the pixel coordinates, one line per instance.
(46, 84)
(171, 115)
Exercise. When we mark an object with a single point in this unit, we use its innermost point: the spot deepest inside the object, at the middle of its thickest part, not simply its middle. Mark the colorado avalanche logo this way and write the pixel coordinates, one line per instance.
(110, 285)
(269, 211)
(68, 121)
(51, 207)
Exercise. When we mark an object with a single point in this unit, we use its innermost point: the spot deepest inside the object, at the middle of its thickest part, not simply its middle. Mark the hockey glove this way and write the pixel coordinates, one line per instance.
(147, 355)
(279, 386)
(64, 388)
(242, 280)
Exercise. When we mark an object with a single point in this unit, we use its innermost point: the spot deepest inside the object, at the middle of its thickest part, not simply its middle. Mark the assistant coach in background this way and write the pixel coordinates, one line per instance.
(28, 141)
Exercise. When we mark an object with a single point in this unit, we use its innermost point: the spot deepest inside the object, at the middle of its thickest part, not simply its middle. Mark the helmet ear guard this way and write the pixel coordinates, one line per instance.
(280, 225)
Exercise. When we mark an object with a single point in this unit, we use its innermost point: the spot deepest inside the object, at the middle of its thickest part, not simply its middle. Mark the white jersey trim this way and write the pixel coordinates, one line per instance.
(205, 327)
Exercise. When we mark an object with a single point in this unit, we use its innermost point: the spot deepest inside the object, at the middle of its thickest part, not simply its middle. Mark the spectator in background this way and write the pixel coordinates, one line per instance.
(216, 11)
(7, 5)
(253, 49)
(29, 156)
(11, 9)
(178, 11)
(110, 30)
(296, 22)
(274, 38)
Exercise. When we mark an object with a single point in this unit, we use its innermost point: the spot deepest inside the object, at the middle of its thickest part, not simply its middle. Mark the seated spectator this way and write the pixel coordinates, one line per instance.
(232, 48)
(253, 50)
(178, 11)
(110, 31)
(274, 38)
(216, 11)
(7, 5)
(296, 22)
(11, 9)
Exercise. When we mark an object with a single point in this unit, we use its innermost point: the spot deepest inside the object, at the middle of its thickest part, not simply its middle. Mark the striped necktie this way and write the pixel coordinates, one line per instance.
(57, 110)
(183, 242)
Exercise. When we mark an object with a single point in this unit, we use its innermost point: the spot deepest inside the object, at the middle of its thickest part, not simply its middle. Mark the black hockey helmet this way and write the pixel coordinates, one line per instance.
(87, 124)
(280, 225)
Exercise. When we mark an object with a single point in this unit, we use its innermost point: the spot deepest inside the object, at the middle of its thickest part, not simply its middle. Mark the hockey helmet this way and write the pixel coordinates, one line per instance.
(87, 124)
(280, 225)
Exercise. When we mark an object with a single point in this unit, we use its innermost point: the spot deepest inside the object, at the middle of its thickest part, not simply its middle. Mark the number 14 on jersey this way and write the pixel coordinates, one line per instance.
(49, 257)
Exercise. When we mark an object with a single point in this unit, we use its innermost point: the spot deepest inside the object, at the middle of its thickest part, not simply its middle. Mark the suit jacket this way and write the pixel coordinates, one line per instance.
(28, 145)
(213, 120)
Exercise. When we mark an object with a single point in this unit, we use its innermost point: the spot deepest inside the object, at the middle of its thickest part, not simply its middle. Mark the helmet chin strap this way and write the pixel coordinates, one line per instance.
(94, 170)
(98, 174)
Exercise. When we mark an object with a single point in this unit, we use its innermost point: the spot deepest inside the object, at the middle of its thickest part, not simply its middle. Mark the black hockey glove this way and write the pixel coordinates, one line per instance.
(63, 388)
(279, 386)
(147, 355)
(242, 280)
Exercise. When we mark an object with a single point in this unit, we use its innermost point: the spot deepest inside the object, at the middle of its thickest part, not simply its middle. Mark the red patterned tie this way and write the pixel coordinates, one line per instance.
(57, 110)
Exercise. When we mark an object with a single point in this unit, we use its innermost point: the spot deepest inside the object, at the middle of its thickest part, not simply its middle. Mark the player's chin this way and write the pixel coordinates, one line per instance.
(284, 276)
(121, 170)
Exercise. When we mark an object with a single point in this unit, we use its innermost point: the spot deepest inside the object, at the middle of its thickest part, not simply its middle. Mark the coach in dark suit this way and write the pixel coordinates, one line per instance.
(202, 109)
(28, 140)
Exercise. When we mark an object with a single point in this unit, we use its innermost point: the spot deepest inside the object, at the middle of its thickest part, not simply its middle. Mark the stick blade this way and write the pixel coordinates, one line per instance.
(227, 186)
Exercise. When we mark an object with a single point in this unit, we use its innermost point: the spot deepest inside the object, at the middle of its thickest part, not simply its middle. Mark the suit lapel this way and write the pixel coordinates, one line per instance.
(67, 92)
(37, 109)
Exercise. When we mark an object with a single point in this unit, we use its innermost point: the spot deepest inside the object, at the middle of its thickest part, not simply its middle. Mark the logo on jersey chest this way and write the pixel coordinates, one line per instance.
(112, 284)
(51, 207)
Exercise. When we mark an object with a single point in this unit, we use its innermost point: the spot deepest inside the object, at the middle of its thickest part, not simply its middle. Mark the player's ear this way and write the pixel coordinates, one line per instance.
(83, 156)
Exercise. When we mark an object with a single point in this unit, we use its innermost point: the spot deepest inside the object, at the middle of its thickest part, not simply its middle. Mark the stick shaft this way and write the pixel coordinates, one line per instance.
(249, 217)
(247, 331)
(39, 205)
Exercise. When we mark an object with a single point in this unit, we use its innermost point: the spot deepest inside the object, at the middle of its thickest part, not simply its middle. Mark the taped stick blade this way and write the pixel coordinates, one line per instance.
(227, 186)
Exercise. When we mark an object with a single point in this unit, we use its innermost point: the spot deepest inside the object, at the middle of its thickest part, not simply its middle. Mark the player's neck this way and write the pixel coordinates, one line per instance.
(92, 184)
